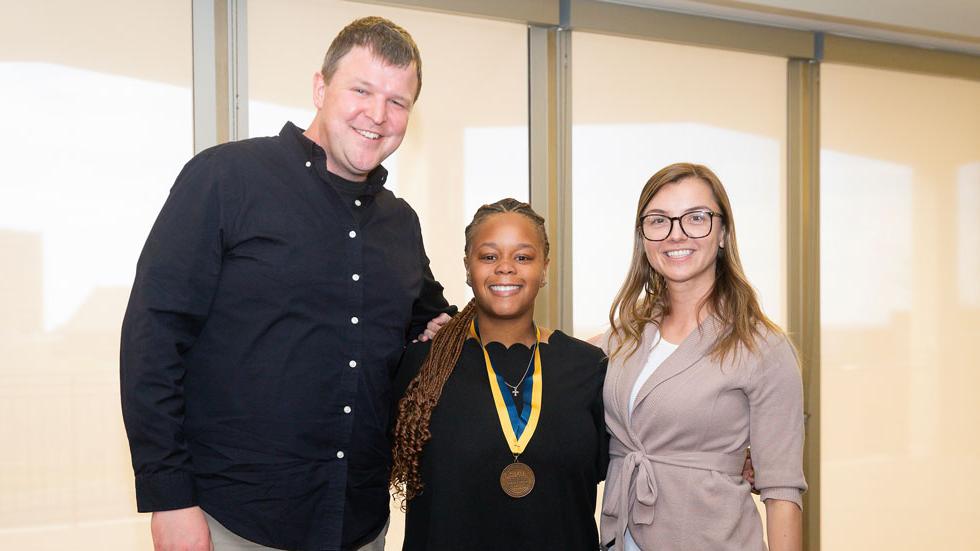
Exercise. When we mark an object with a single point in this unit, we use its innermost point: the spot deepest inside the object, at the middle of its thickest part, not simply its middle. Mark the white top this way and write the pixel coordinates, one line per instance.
(660, 351)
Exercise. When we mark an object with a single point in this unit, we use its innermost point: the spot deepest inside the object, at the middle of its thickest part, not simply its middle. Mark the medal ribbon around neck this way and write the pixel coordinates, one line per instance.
(506, 409)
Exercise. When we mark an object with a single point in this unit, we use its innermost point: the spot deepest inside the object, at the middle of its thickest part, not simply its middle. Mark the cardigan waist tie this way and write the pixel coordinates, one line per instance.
(645, 482)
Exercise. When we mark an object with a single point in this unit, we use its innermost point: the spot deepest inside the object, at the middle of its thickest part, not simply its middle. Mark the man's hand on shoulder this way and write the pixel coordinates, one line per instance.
(180, 530)
(433, 327)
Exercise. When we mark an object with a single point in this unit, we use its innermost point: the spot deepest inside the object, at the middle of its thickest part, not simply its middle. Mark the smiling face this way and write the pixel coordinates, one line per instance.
(362, 113)
(507, 266)
(679, 258)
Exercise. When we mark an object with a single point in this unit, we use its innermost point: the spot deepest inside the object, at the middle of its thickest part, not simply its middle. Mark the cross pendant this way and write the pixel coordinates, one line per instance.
(514, 392)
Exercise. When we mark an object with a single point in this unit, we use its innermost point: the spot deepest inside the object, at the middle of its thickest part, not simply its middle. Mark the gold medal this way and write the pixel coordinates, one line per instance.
(517, 479)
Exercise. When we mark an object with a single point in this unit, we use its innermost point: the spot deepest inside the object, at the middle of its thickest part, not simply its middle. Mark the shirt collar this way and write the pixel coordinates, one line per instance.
(310, 151)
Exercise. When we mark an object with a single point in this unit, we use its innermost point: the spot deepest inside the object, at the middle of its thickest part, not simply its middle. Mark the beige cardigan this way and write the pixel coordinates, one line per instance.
(675, 464)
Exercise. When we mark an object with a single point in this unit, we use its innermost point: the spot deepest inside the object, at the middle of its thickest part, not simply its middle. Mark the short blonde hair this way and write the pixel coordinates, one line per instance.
(386, 40)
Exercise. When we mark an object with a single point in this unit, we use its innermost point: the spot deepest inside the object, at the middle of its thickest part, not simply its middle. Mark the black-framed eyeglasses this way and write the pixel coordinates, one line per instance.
(695, 224)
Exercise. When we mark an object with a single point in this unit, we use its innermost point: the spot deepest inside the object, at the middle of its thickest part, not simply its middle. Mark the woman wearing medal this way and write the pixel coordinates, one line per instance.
(500, 438)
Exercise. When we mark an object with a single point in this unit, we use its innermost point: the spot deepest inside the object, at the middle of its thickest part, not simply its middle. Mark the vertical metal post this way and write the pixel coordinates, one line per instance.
(563, 95)
(803, 270)
(205, 77)
(237, 23)
(220, 72)
(549, 139)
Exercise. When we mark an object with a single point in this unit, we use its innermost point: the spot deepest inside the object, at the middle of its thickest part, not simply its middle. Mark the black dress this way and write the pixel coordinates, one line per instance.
(462, 506)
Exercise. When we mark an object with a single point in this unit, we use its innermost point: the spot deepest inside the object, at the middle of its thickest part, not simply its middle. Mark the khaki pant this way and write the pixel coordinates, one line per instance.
(223, 539)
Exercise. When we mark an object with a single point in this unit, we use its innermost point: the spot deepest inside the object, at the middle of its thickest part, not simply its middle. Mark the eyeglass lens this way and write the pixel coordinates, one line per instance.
(694, 224)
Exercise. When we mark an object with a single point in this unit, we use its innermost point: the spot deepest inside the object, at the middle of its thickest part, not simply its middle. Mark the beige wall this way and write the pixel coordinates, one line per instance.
(638, 106)
(97, 122)
(899, 363)
(144, 40)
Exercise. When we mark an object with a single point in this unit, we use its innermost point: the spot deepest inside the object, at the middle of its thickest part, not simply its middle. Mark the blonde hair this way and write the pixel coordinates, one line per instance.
(386, 40)
(644, 297)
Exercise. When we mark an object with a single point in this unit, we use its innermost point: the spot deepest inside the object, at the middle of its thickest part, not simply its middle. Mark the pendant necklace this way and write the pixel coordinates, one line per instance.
(515, 389)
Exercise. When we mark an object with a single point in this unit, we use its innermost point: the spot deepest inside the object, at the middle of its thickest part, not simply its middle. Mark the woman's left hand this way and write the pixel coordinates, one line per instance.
(748, 473)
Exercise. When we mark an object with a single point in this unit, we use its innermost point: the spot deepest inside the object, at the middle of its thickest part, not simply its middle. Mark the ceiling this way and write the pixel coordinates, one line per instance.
(943, 24)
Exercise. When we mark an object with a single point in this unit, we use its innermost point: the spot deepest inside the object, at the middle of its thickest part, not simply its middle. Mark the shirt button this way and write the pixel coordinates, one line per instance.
(340, 455)
(355, 277)
(352, 363)
(352, 234)
(308, 164)
(354, 320)
(357, 202)
(347, 409)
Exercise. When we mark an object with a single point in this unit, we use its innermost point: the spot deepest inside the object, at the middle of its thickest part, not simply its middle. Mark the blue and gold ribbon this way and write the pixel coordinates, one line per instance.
(518, 429)
(517, 420)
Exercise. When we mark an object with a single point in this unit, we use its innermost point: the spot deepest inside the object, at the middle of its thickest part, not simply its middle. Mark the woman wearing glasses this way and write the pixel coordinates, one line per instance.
(697, 373)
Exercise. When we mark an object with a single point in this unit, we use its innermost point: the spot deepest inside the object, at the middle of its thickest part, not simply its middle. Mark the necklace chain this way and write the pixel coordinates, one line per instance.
(514, 388)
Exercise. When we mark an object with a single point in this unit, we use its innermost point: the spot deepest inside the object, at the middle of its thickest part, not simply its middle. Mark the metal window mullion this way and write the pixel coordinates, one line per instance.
(237, 70)
(549, 142)
(803, 265)
(563, 191)
(205, 91)
(220, 71)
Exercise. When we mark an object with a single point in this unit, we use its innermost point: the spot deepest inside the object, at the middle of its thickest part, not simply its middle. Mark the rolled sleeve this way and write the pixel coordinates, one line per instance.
(775, 393)
(794, 495)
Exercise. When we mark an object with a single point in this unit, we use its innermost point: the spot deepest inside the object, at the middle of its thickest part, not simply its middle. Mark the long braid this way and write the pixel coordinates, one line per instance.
(415, 408)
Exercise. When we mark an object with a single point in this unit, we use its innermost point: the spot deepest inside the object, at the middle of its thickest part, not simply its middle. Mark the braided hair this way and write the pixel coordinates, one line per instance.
(415, 409)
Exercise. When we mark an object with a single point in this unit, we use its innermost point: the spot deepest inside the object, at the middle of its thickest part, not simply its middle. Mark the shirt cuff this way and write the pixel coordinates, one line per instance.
(792, 495)
(165, 492)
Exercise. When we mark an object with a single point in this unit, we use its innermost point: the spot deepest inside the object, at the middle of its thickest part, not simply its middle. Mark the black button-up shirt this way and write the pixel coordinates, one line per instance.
(263, 330)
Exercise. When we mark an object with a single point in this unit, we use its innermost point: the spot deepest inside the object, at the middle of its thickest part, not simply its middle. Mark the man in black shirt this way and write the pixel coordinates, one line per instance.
(271, 304)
